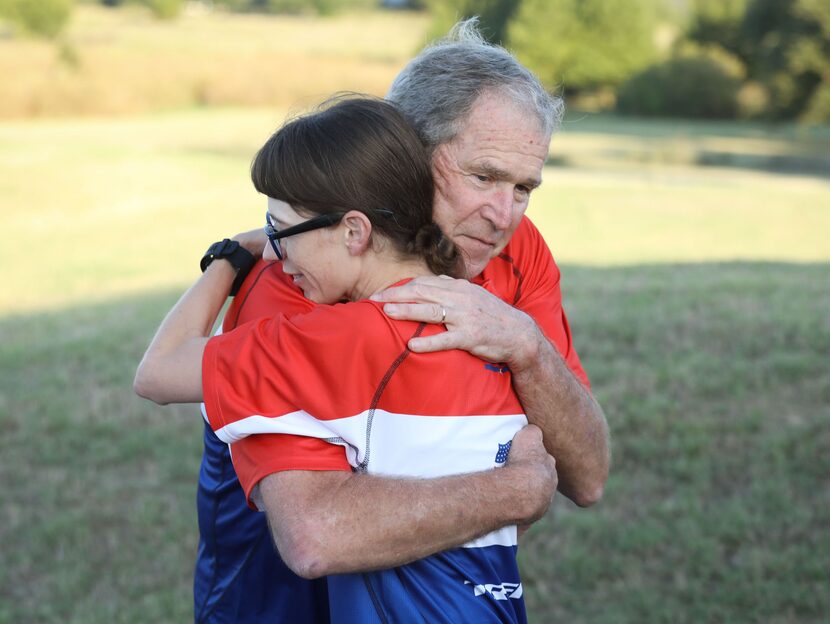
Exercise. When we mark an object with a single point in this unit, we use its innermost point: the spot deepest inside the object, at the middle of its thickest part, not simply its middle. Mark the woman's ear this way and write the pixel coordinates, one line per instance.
(357, 231)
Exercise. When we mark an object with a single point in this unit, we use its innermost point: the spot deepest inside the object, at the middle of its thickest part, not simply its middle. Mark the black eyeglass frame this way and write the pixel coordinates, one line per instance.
(315, 223)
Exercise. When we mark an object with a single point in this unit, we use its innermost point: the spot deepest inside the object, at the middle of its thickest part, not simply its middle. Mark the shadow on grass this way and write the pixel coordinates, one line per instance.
(656, 127)
(713, 377)
(813, 165)
(663, 153)
(783, 148)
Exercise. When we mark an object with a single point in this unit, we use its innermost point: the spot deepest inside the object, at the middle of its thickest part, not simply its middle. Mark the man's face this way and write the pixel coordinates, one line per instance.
(484, 177)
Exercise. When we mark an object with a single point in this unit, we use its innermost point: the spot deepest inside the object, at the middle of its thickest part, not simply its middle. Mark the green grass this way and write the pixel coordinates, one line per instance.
(698, 297)
(98, 514)
(716, 387)
(713, 377)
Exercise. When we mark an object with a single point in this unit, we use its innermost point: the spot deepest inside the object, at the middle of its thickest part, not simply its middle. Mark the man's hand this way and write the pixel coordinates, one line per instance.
(535, 471)
(476, 321)
(553, 398)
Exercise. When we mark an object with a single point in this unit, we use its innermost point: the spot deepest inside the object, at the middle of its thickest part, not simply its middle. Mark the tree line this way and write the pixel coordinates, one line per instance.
(751, 59)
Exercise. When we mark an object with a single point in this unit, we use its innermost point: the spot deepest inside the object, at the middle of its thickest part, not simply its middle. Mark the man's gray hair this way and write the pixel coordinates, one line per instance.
(437, 89)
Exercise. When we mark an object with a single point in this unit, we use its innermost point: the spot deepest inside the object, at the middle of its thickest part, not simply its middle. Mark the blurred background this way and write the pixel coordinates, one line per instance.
(686, 199)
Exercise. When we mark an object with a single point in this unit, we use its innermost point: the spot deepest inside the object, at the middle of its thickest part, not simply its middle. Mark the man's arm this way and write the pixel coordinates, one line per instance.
(574, 427)
(326, 522)
(576, 432)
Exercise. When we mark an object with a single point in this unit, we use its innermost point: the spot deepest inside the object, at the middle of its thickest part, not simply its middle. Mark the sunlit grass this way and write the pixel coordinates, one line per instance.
(97, 208)
(712, 374)
(681, 214)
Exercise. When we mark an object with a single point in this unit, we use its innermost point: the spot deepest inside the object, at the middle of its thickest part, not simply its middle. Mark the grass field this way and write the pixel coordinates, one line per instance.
(107, 207)
(696, 273)
(713, 376)
(711, 365)
(126, 62)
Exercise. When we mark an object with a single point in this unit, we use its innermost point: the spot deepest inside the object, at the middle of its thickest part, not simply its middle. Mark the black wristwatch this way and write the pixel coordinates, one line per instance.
(239, 257)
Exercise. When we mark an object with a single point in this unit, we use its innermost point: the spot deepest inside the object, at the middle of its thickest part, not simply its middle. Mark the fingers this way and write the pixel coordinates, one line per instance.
(418, 312)
(396, 293)
(425, 289)
(439, 342)
(530, 433)
(527, 445)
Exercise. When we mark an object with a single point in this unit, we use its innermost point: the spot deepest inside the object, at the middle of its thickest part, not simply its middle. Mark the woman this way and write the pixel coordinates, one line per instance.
(349, 213)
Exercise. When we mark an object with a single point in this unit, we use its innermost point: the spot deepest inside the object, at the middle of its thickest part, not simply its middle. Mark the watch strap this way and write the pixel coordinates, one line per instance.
(240, 258)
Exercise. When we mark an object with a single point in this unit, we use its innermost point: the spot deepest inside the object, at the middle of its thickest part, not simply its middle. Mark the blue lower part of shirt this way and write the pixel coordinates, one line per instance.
(239, 576)
(460, 585)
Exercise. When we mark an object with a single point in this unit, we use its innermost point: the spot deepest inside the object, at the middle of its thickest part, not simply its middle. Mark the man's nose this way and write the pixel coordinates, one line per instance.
(499, 210)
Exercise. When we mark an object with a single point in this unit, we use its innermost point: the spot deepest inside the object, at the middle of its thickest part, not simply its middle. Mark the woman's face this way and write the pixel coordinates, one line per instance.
(318, 260)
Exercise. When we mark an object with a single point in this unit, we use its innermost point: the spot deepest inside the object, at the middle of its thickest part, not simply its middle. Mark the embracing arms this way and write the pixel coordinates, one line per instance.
(338, 522)
(572, 422)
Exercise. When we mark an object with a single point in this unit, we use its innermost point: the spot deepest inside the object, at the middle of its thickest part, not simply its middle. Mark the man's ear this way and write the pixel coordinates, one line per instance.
(357, 231)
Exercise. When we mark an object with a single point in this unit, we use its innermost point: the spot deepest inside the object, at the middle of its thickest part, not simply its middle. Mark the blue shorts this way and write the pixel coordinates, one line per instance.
(239, 576)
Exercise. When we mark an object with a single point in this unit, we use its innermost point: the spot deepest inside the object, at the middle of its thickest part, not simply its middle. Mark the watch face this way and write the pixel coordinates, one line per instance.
(239, 257)
(219, 249)
(225, 247)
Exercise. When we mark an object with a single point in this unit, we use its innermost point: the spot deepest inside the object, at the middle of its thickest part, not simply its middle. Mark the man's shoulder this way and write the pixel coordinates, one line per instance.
(526, 239)
(505, 275)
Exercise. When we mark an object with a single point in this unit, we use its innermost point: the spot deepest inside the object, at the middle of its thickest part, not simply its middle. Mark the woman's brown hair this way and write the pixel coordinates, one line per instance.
(358, 153)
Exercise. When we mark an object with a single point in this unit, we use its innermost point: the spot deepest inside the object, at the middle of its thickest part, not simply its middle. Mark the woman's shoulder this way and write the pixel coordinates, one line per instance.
(357, 322)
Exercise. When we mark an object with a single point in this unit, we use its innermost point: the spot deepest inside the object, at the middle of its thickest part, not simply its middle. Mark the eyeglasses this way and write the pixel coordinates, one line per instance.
(274, 235)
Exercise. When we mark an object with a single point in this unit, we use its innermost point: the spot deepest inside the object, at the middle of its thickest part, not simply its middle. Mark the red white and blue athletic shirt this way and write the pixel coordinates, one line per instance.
(340, 377)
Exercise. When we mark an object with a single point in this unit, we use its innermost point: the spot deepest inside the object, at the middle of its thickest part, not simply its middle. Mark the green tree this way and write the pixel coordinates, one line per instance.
(43, 18)
(165, 9)
(296, 7)
(788, 43)
(494, 16)
(693, 85)
(785, 45)
(719, 22)
(584, 45)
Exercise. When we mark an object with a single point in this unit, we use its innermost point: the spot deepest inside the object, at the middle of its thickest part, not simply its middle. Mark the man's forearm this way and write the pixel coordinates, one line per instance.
(572, 422)
(338, 522)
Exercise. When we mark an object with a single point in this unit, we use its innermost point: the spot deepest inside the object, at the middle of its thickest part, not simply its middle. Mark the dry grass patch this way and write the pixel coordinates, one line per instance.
(122, 61)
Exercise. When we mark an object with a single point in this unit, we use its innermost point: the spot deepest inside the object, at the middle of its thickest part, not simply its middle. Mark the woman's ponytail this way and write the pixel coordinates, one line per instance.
(437, 250)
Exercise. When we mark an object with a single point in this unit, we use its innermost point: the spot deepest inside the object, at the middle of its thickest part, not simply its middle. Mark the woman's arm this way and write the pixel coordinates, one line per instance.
(171, 369)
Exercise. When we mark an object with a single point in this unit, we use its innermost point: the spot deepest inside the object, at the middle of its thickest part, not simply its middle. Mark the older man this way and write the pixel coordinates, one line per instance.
(488, 123)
